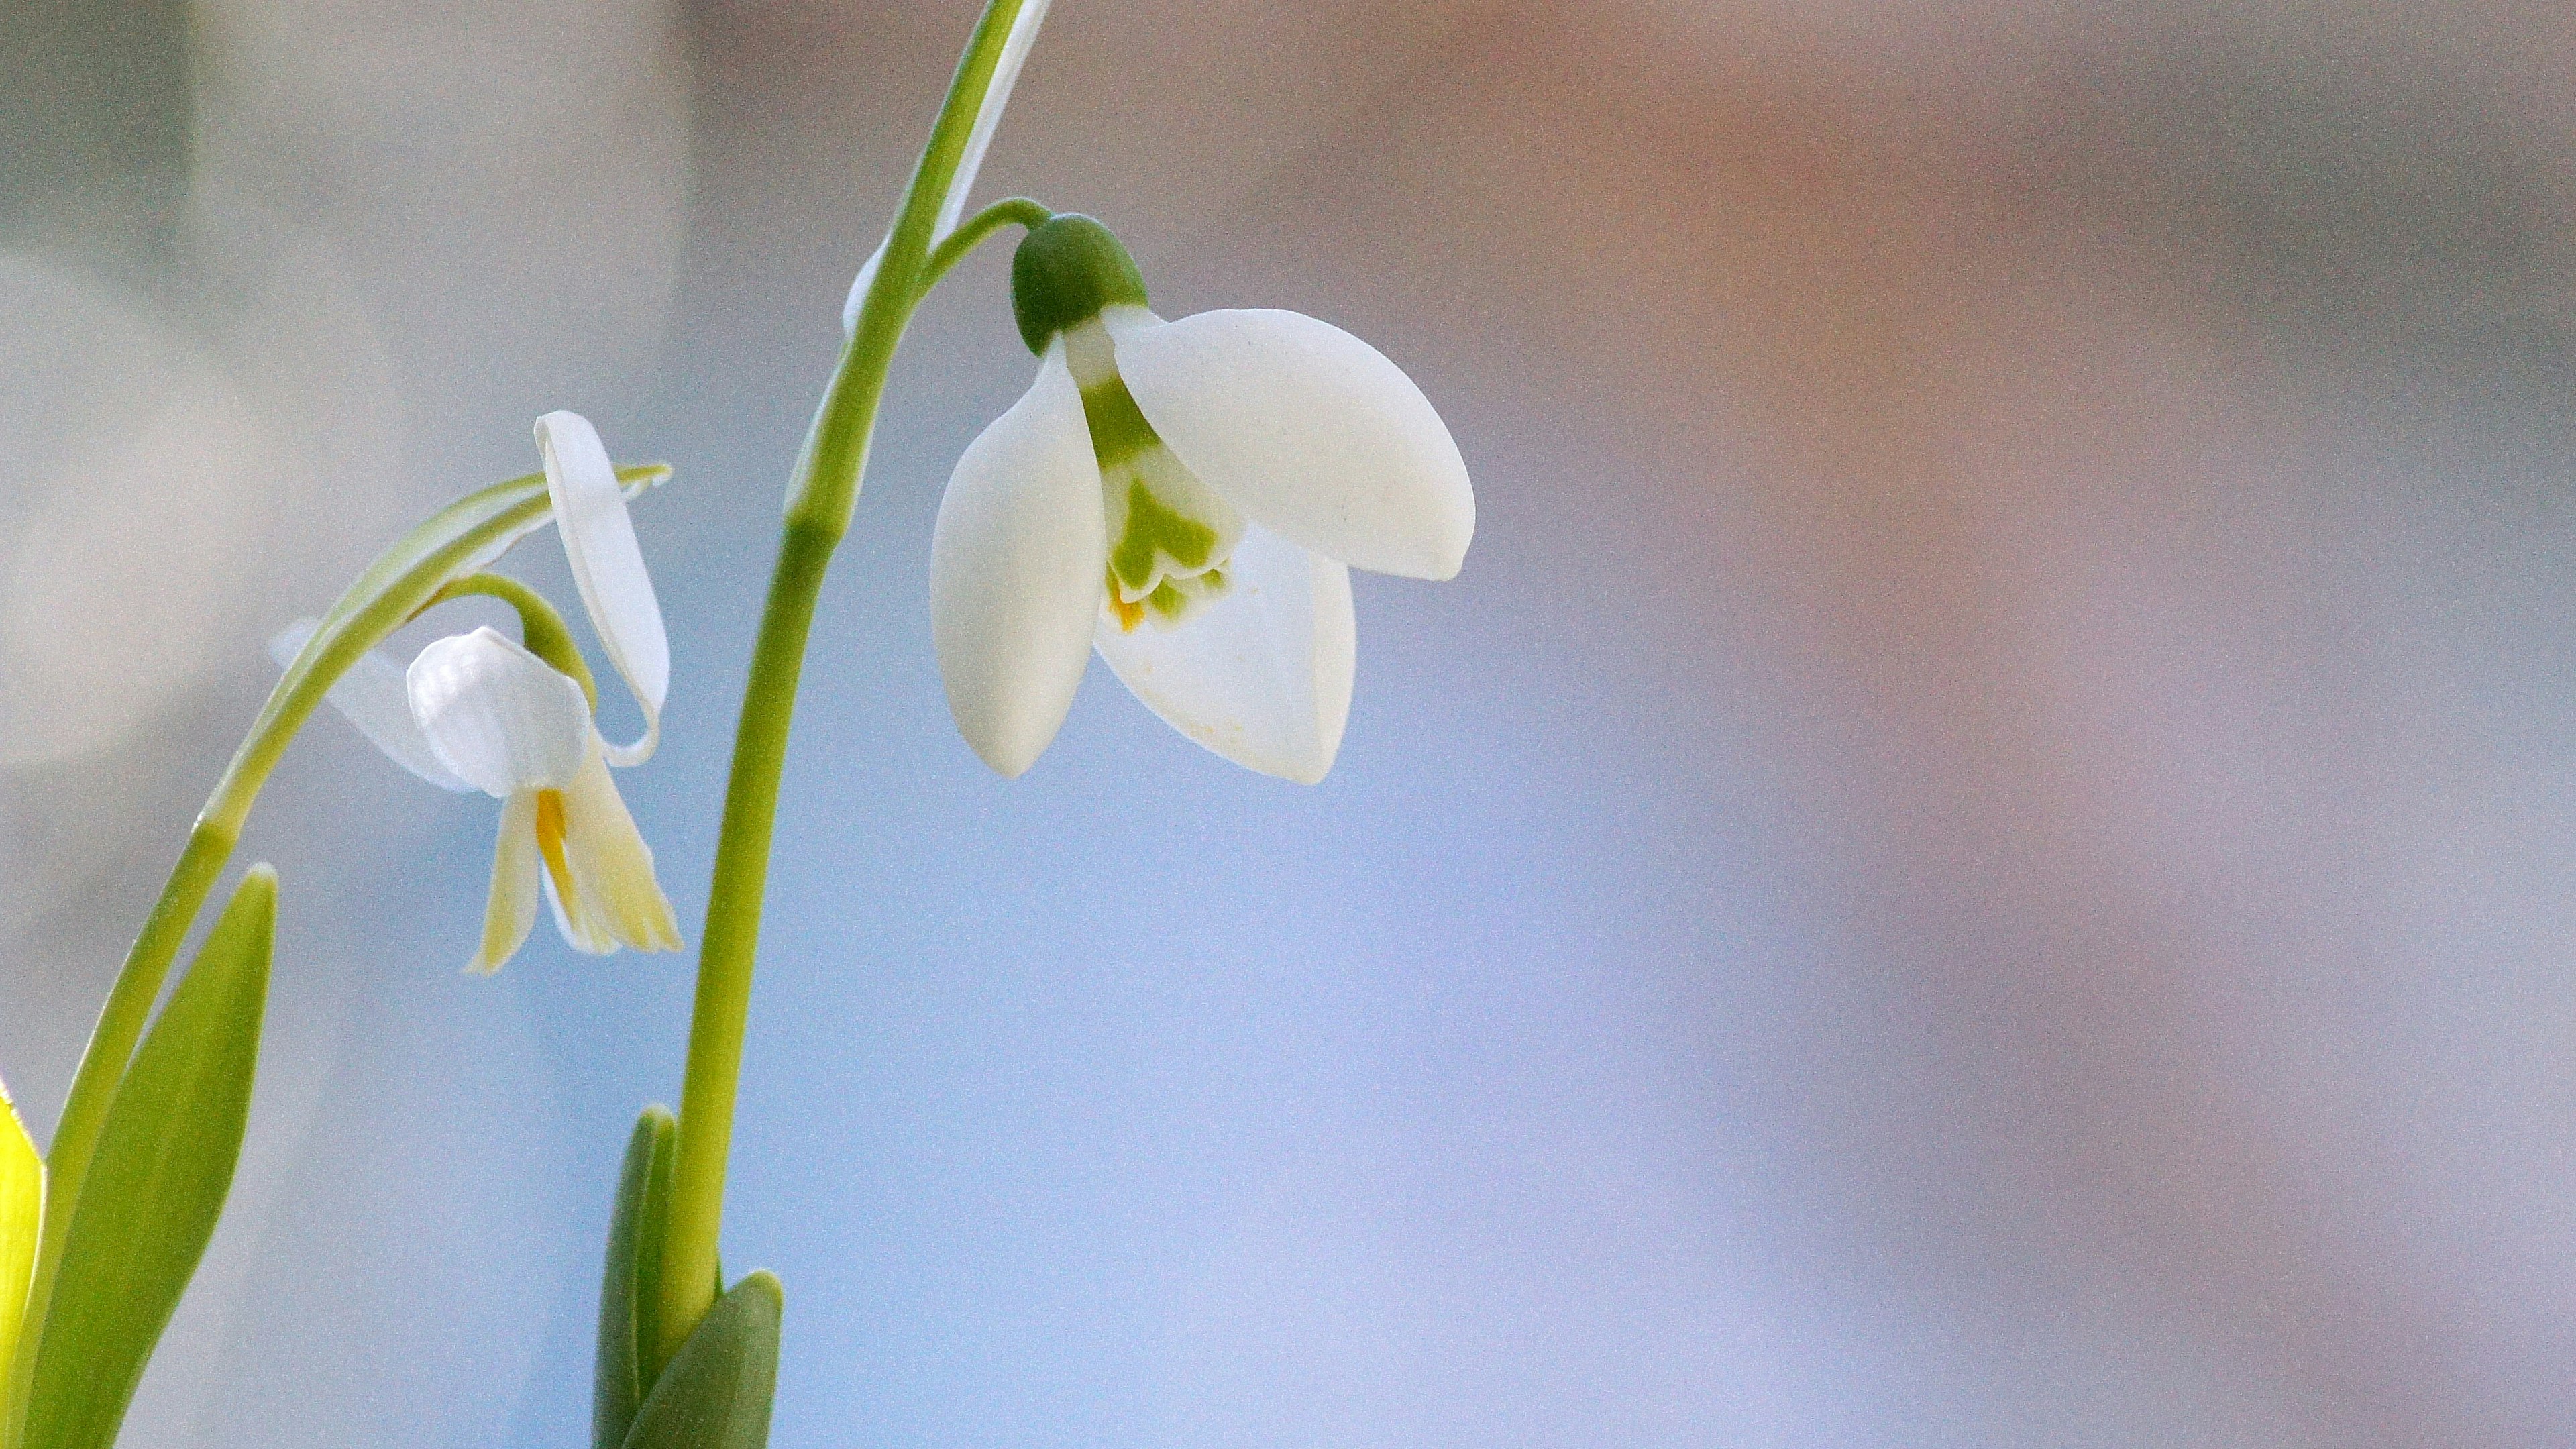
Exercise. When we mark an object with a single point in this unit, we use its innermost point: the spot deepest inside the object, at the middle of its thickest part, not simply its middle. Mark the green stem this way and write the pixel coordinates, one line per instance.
(1027, 213)
(821, 496)
(541, 628)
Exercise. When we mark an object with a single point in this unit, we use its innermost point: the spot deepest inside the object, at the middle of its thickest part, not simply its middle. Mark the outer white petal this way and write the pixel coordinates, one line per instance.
(599, 543)
(1262, 674)
(952, 207)
(372, 696)
(1308, 430)
(612, 867)
(497, 716)
(512, 909)
(1018, 563)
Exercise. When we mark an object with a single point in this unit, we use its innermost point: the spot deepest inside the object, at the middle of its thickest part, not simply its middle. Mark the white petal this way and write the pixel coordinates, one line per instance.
(612, 867)
(497, 716)
(1261, 674)
(599, 543)
(952, 206)
(512, 908)
(372, 696)
(1308, 430)
(1018, 567)
(579, 931)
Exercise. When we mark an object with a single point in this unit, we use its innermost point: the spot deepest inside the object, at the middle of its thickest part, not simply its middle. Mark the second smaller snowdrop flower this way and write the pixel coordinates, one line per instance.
(505, 722)
(481, 712)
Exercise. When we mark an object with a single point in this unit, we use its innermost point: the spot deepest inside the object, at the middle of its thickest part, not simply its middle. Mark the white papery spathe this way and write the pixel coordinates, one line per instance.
(979, 139)
(512, 726)
(1329, 450)
(608, 568)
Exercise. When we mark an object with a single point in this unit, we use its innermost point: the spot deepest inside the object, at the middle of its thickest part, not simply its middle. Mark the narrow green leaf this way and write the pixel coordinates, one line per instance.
(163, 1165)
(22, 1204)
(715, 1394)
(630, 1285)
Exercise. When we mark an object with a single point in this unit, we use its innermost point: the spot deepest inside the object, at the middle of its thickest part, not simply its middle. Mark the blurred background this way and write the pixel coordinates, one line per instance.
(1982, 855)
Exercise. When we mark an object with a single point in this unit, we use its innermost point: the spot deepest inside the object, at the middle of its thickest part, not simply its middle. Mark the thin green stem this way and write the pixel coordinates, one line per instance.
(821, 495)
(1027, 213)
(541, 628)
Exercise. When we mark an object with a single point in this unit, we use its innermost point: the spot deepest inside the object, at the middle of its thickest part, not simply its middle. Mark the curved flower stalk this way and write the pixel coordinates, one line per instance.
(1188, 499)
(478, 712)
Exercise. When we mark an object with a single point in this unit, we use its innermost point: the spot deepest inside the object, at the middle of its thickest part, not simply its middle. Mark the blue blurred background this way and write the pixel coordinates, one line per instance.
(1982, 854)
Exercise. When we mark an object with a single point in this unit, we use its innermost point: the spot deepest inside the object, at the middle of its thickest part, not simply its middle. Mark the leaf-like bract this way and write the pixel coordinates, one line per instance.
(715, 1394)
(164, 1163)
(630, 1285)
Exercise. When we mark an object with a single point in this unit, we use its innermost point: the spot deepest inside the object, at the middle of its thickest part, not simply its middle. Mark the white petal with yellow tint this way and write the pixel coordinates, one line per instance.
(511, 910)
(608, 568)
(1260, 674)
(1018, 569)
(373, 697)
(612, 868)
(497, 716)
(1313, 433)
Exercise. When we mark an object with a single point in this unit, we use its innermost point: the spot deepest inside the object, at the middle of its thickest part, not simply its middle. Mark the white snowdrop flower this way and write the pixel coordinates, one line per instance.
(1188, 498)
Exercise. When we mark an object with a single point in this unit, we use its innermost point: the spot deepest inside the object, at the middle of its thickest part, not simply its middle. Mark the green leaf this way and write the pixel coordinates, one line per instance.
(164, 1163)
(715, 1394)
(630, 1286)
(22, 1204)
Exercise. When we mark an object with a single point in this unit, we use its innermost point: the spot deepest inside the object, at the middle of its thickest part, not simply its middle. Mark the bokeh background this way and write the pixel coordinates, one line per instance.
(1982, 854)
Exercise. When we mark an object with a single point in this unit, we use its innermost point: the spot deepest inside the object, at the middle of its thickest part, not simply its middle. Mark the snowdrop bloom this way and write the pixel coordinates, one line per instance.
(507, 723)
(1188, 498)
(479, 711)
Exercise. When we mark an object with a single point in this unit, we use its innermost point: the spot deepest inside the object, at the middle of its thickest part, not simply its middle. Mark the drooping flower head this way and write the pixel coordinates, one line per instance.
(1187, 498)
(478, 711)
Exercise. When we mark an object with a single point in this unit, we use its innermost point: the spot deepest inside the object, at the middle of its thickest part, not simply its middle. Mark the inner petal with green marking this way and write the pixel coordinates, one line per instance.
(1170, 535)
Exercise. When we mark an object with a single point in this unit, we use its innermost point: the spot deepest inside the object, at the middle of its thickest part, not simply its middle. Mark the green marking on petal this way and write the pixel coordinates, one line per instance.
(1119, 430)
(1154, 529)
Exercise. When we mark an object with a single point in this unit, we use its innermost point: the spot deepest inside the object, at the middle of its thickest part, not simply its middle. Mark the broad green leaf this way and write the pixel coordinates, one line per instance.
(630, 1286)
(22, 1203)
(715, 1394)
(164, 1163)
